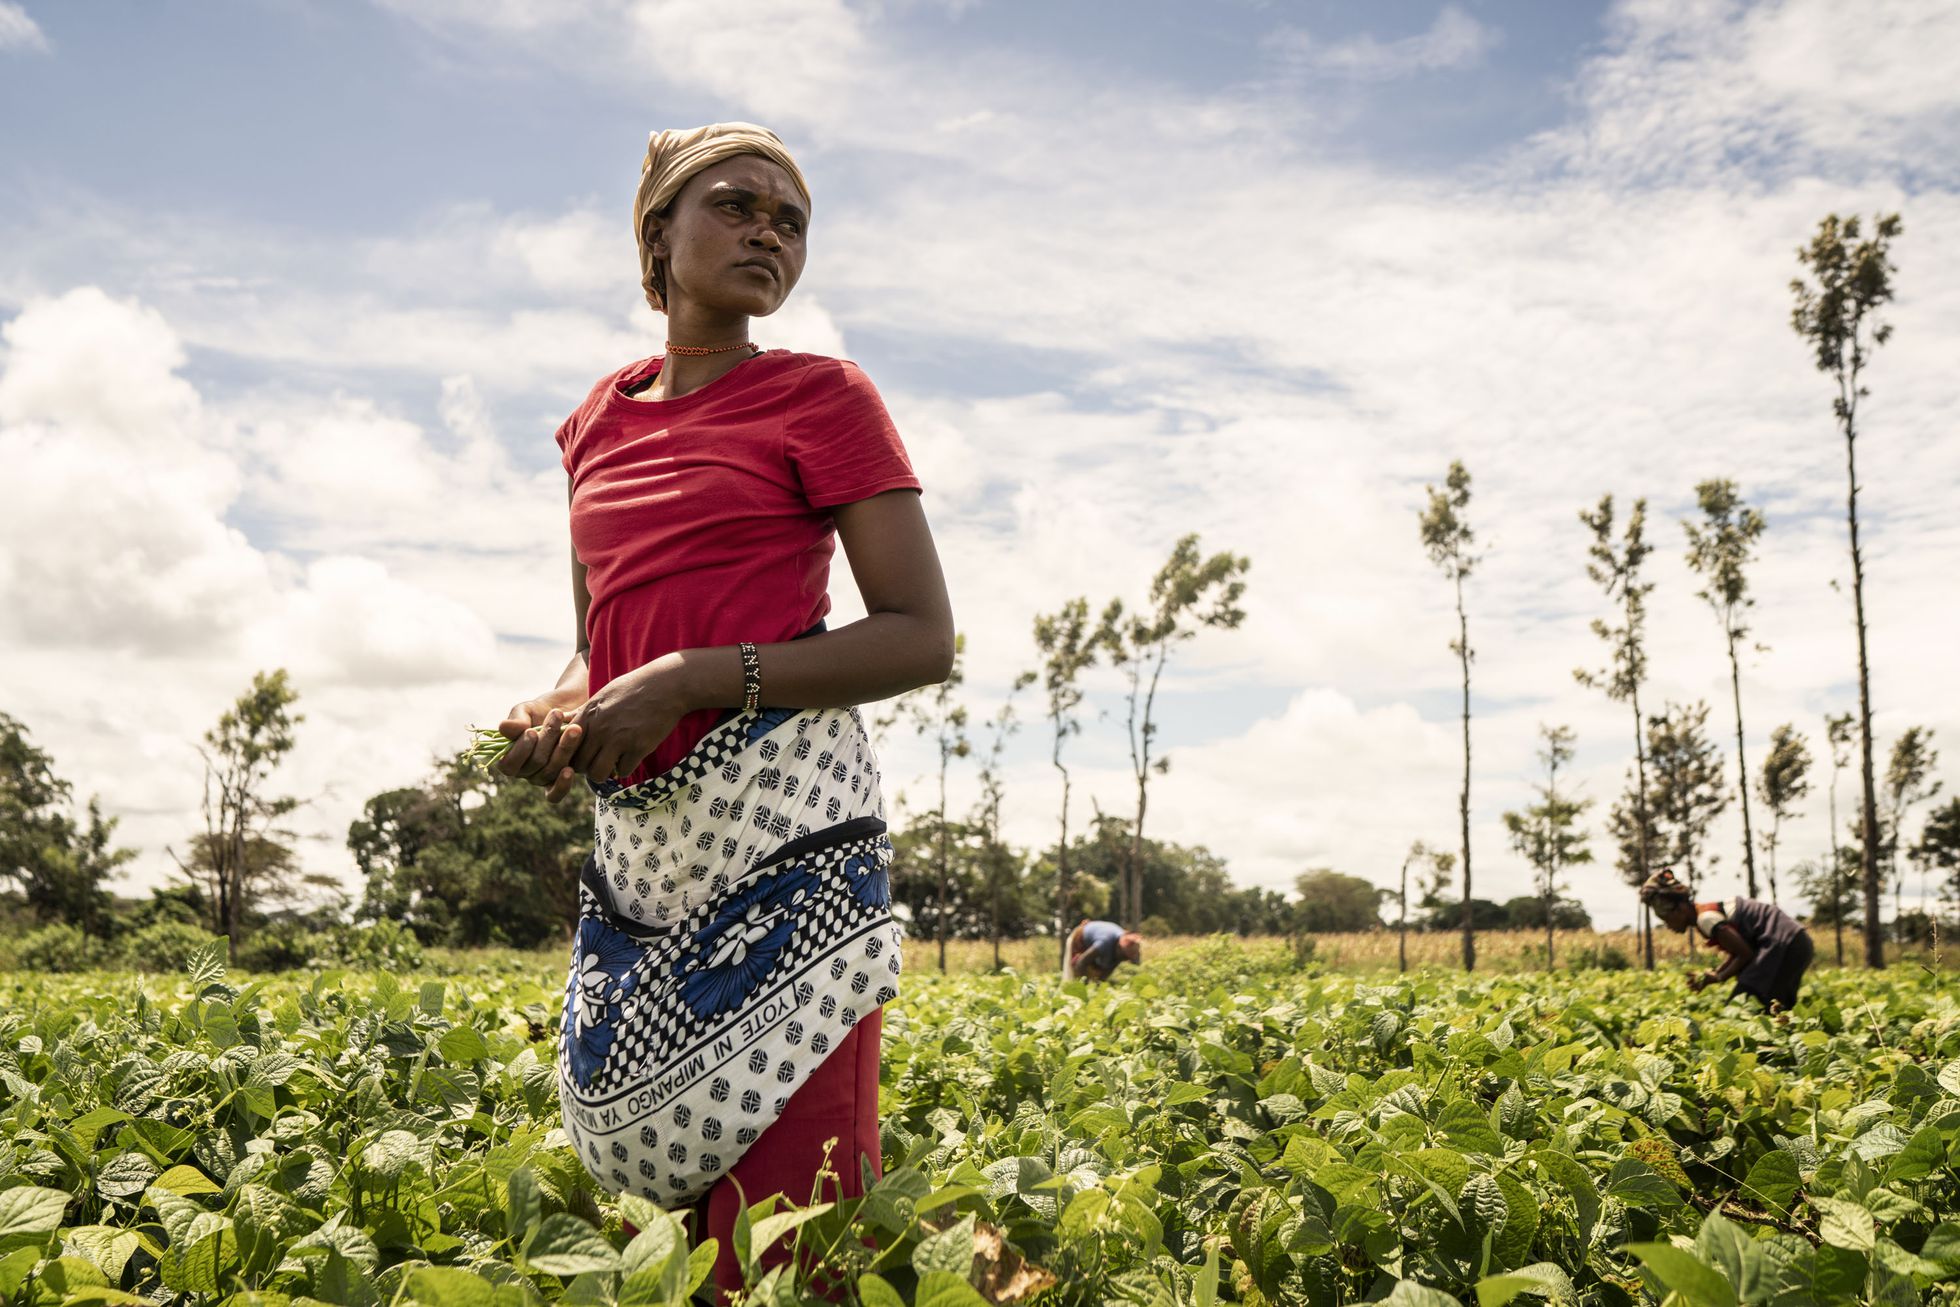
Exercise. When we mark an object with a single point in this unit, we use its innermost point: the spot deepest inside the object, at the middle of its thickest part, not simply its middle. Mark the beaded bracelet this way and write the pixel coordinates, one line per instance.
(751, 677)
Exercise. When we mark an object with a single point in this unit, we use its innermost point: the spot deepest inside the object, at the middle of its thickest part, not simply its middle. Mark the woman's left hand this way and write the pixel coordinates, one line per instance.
(627, 720)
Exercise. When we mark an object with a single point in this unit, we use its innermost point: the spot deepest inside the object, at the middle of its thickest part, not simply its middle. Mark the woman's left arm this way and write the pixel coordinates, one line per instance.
(1740, 954)
(904, 641)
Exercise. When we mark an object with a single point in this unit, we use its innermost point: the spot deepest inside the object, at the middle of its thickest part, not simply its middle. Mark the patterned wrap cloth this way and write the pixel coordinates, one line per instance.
(735, 923)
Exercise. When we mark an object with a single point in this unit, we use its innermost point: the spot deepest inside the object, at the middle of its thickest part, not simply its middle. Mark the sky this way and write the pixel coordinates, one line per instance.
(294, 294)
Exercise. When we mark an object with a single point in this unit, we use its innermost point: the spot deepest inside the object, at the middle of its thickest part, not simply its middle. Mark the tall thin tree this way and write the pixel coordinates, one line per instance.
(1548, 834)
(1785, 779)
(1618, 573)
(1068, 647)
(1689, 788)
(1719, 548)
(933, 711)
(1908, 782)
(1447, 538)
(1432, 885)
(241, 848)
(997, 858)
(1836, 315)
(1837, 730)
(1189, 592)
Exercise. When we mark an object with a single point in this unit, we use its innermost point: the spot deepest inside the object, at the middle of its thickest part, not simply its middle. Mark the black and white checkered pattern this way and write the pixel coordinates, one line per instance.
(678, 1098)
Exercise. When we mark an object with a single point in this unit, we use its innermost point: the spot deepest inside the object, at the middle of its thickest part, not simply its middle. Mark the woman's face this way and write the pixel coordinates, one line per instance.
(733, 240)
(1679, 914)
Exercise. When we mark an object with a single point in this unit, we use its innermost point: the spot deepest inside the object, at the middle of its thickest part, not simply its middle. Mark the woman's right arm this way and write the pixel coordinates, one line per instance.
(540, 750)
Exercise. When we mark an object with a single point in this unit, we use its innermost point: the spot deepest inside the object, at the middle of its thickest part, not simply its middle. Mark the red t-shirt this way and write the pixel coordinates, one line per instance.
(704, 521)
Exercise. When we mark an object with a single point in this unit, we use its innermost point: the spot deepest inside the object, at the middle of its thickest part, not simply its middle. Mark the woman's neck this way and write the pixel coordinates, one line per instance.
(681, 373)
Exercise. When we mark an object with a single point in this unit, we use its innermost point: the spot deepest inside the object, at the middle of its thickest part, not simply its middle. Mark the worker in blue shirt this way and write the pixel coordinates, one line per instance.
(1096, 947)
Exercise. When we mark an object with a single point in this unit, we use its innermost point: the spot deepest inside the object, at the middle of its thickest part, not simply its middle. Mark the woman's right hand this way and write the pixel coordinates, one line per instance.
(543, 739)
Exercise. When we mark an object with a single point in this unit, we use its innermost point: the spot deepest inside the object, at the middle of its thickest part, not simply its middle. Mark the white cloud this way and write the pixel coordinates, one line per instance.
(133, 610)
(18, 31)
(1275, 350)
(1454, 40)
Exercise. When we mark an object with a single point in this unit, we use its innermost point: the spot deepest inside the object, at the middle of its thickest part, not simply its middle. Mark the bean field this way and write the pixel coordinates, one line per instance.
(1223, 1124)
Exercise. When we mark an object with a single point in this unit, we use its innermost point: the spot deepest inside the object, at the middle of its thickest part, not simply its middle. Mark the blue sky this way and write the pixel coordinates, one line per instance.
(1255, 270)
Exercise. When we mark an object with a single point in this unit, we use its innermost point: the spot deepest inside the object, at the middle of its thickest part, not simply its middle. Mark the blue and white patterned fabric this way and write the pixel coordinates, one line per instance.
(734, 925)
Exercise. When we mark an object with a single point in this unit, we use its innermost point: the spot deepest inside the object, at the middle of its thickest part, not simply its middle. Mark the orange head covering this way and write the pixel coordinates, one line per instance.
(675, 156)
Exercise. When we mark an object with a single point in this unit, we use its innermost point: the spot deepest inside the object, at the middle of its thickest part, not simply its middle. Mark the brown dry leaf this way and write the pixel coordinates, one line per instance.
(1000, 1275)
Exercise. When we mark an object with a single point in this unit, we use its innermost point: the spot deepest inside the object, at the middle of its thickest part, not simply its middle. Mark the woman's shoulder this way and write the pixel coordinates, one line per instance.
(814, 372)
(596, 395)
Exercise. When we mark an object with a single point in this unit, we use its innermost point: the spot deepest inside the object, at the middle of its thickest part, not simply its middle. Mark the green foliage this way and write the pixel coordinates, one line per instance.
(471, 857)
(161, 946)
(57, 948)
(1332, 901)
(1688, 789)
(1214, 1127)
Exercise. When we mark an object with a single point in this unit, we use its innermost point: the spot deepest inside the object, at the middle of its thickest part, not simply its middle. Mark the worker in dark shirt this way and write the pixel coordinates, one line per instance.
(1767, 949)
(1096, 947)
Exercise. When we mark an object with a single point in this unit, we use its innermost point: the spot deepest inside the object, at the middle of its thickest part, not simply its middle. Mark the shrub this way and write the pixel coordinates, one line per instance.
(277, 946)
(59, 947)
(162, 946)
(1599, 957)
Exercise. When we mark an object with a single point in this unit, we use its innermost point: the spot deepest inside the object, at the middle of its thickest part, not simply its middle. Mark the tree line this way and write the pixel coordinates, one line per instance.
(1678, 782)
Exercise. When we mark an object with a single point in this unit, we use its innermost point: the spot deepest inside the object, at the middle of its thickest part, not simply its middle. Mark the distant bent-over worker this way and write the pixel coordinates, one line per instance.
(1768, 949)
(1095, 947)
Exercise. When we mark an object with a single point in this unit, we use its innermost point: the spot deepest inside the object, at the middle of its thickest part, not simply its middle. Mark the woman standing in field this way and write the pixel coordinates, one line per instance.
(735, 946)
(1768, 950)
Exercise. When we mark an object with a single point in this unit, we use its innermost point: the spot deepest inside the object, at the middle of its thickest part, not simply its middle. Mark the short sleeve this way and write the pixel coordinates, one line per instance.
(1708, 919)
(840, 441)
(564, 438)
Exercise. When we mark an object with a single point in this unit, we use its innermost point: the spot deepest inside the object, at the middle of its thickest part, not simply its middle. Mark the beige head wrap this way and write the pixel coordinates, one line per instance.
(1663, 887)
(675, 156)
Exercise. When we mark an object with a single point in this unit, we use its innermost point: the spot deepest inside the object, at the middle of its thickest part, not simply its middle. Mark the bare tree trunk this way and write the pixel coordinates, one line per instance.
(1874, 940)
(942, 860)
(1463, 805)
(1837, 866)
(1640, 818)
(1062, 904)
(1402, 923)
(1742, 764)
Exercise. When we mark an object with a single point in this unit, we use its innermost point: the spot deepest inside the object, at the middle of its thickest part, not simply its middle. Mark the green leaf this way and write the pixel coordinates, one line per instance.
(448, 1286)
(206, 965)
(108, 1247)
(1184, 1091)
(1697, 1283)
(1637, 1184)
(90, 1124)
(386, 1157)
(1844, 1224)
(1950, 1077)
(461, 1044)
(126, 1176)
(944, 1289)
(1923, 1154)
(15, 1267)
(1464, 1125)
(874, 1291)
(951, 1250)
(186, 1180)
(564, 1245)
(1773, 1180)
(1204, 1289)
(1539, 1277)
(524, 1206)
(764, 1233)
(28, 1215)
(701, 1263)
(1407, 1293)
